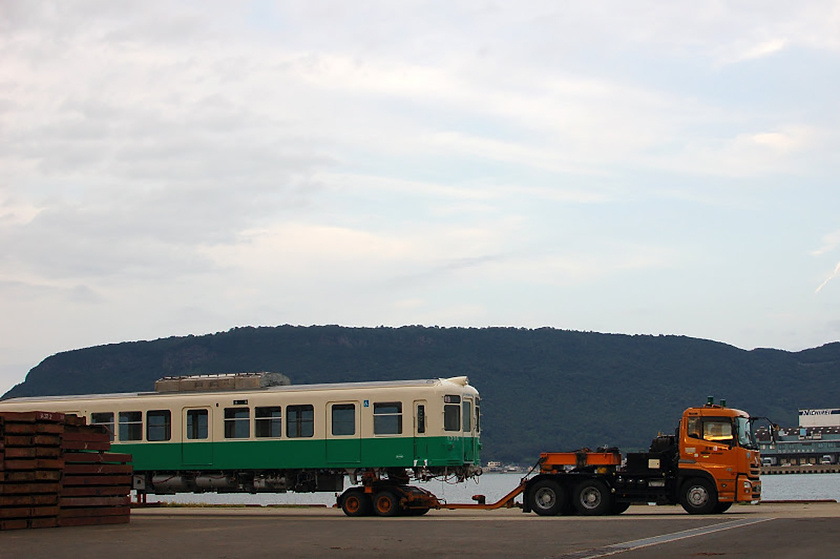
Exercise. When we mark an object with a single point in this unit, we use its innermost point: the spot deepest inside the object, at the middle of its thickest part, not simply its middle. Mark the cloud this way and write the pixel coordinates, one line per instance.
(17, 212)
(177, 166)
(830, 242)
(740, 52)
(765, 48)
(833, 275)
(747, 154)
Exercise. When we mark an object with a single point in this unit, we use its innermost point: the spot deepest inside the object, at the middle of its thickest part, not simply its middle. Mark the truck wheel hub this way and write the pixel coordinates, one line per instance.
(590, 498)
(545, 498)
(698, 496)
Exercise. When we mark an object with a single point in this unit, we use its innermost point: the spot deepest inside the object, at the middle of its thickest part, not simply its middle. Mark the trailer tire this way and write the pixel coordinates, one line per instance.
(385, 503)
(356, 503)
(547, 497)
(698, 496)
(592, 498)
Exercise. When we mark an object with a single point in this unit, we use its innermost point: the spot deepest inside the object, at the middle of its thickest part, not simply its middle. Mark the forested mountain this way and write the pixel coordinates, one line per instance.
(542, 389)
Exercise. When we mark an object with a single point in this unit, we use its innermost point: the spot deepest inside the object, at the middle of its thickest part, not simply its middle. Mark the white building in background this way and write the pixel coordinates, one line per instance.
(820, 418)
(815, 441)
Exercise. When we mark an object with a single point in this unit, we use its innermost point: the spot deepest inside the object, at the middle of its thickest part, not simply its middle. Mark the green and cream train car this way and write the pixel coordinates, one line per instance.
(286, 438)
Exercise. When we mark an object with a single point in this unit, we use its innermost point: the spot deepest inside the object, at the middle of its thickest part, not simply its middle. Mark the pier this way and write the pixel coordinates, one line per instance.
(801, 469)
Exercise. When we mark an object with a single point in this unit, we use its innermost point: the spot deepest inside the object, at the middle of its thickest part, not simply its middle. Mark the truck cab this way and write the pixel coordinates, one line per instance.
(719, 457)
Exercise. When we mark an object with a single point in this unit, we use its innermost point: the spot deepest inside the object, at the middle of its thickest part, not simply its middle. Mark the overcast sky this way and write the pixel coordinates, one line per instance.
(647, 167)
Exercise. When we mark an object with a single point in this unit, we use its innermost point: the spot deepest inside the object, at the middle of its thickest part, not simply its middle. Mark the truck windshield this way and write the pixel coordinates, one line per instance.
(745, 434)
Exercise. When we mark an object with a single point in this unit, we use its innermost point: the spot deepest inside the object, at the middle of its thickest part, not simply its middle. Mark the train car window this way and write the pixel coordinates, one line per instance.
(197, 424)
(300, 421)
(237, 423)
(131, 426)
(268, 421)
(387, 418)
(451, 413)
(343, 419)
(466, 415)
(158, 425)
(106, 419)
(421, 419)
(478, 415)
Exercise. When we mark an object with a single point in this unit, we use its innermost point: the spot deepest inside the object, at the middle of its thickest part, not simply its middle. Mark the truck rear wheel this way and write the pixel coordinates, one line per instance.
(547, 497)
(698, 496)
(592, 498)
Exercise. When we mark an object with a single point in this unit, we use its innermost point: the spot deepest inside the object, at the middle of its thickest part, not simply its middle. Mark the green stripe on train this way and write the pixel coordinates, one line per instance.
(302, 453)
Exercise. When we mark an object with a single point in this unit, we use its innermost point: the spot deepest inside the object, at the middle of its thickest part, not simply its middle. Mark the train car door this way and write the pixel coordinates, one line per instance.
(467, 429)
(453, 428)
(421, 447)
(344, 433)
(476, 444)
(197, 439)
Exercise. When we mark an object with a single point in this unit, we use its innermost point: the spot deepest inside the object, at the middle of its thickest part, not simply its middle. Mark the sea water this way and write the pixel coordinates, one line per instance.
(790, 487)
(799, 487)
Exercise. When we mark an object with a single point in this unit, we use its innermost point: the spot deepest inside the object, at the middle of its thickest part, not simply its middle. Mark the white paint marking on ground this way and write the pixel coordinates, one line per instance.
(656, 540)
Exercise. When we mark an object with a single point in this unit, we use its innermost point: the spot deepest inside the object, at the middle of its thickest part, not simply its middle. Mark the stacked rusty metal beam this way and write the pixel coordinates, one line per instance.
(57, 471)
(96, 484)
(32, 464)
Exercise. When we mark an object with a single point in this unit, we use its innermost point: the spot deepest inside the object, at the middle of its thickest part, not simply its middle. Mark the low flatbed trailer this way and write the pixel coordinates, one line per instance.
(711, 462)
(549, 462)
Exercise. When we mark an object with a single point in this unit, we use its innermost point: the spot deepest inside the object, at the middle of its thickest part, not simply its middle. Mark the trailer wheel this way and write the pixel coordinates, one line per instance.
(547, 497)
(698, 496)
(592, 498)
(386, 503)
(356, 503)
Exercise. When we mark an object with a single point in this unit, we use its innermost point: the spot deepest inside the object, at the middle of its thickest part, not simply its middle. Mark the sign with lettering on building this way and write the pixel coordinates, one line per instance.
(820, 418)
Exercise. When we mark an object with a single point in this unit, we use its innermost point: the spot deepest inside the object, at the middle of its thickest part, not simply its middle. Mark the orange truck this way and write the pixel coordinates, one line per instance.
(711, 462)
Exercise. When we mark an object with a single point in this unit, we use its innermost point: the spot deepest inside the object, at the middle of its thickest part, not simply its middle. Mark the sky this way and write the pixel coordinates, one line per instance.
(171, 168)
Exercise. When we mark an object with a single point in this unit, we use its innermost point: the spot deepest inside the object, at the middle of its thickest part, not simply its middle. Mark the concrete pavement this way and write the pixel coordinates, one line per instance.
(766, 530)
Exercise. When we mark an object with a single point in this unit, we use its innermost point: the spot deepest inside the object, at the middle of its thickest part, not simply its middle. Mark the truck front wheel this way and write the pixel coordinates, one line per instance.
(547, 497)
(698, 496)
(592, 498)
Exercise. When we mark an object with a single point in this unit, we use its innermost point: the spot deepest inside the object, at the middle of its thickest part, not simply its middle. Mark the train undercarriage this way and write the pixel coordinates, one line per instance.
(381, 491)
